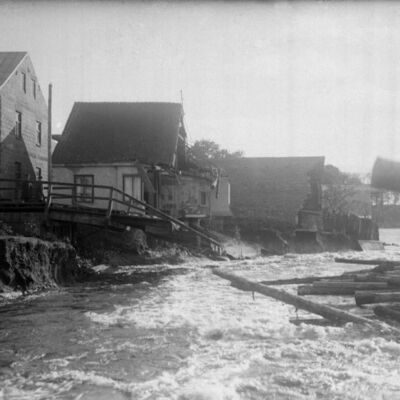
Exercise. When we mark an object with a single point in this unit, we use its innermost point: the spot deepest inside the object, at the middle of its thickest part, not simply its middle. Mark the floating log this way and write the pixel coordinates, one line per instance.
(314, 321)
(328, 312)
(387, 312)
(324, 291)
(296, 281)
(377, 261)
(370, 278)
(364, 297)
(351, 285)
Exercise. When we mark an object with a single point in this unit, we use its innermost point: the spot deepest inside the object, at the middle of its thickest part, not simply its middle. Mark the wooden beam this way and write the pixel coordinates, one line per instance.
(377, 261)
(365, 297)
(325, 311)
(324, 291)
(352, 285)
(296, 281)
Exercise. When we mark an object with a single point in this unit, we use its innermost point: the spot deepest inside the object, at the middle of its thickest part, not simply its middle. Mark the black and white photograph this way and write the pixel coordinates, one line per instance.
(199, 200)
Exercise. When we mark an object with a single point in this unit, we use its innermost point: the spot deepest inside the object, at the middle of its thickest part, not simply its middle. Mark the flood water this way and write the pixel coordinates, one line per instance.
(179, 332)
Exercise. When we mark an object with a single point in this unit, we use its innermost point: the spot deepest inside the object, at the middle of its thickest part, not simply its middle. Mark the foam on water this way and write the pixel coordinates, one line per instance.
(193, 336)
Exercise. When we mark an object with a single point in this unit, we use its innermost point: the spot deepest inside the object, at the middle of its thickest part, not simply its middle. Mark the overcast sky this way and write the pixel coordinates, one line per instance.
(271, 79)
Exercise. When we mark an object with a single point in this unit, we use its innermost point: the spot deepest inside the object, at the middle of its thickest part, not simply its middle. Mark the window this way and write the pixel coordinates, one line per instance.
(38, 133)
(18, 124)
(38, 173)
(84, 193)
(34, 88)
(203, 198)
(23, 75)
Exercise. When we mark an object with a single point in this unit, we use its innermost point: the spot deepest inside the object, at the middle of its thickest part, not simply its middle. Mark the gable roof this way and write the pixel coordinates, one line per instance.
(270, 187)
(8, 62)
(118, 132)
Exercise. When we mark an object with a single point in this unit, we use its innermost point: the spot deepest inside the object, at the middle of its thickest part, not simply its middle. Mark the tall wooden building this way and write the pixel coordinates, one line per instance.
(23, 120)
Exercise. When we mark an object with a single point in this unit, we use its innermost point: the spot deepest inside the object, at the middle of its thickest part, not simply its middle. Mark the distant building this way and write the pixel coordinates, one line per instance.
(139, 148)
(23, 121)
(278, 193)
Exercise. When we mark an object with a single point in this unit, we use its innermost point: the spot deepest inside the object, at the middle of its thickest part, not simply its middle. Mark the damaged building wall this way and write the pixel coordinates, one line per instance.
(185, 196)
(270, 192)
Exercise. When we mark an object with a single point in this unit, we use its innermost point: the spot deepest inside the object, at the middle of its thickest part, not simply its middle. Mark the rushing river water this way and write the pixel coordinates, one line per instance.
(179, 332)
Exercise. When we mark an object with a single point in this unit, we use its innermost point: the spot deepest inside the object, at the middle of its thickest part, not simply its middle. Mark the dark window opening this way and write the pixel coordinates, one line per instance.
(84, 193)
(18, 124)
(38, 133)
(23, 81)
(34, 88)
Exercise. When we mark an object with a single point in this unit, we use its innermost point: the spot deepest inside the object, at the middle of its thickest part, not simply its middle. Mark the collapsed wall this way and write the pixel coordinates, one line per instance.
(28, 263)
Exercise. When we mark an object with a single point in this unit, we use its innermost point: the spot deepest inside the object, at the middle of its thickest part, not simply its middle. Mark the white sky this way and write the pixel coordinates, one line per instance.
(271, 79)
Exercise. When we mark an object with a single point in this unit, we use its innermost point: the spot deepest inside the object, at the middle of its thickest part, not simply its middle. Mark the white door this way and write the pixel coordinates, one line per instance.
(132, 185)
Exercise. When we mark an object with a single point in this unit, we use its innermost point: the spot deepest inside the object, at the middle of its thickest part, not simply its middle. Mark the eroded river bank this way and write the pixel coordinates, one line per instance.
(179, 332)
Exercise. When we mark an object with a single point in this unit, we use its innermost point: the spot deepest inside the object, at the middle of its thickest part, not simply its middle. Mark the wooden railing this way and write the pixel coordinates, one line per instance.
(102, 198)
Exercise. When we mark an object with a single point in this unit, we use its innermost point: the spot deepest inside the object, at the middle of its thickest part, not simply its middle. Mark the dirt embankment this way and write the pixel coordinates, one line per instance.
(28, 263)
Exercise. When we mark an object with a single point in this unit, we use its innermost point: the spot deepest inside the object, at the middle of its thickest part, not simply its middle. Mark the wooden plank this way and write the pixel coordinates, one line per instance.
(377, 261)
(314, 321)
(296, 281)
(324, 291)
(325, 311)
(352, 285)
(366, 297)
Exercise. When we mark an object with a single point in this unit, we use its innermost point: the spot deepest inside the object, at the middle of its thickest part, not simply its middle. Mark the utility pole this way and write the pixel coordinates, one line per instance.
(49, 117)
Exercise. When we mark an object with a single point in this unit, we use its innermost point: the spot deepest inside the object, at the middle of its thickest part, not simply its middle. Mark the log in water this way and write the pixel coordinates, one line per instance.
(325, 311)
(366, 297)
(377, 261)
(351, 285)
(324, 291)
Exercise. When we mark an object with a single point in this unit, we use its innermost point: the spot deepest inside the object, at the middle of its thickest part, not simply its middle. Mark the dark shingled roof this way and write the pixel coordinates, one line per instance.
(118, 132)
(8, 62)
(270, 187)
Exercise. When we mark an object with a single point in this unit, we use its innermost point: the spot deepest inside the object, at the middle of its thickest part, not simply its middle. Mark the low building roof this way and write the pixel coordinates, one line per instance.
(114, 132)
(9, 60)
(270, 187)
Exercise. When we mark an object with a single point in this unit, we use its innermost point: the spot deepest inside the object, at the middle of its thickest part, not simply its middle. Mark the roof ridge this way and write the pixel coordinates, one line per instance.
(127, 102)
(13, 52)
(9, 62)
(273, 158)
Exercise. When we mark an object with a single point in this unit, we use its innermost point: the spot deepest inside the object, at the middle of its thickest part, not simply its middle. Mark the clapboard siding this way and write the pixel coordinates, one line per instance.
(24, 150)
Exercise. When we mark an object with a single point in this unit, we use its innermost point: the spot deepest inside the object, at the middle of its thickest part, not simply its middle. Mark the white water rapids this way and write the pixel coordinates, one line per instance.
(179, 332)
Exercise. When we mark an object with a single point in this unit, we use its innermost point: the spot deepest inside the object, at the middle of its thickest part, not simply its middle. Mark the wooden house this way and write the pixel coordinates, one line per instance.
(279, 193)
(23, 121)
(138, 148)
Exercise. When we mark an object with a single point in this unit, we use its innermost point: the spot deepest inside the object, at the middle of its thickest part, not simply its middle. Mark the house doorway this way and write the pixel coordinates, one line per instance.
(132, 186)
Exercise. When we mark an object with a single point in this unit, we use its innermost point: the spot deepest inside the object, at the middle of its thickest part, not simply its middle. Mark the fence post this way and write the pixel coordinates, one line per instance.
(110, 203)
(130, 205)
